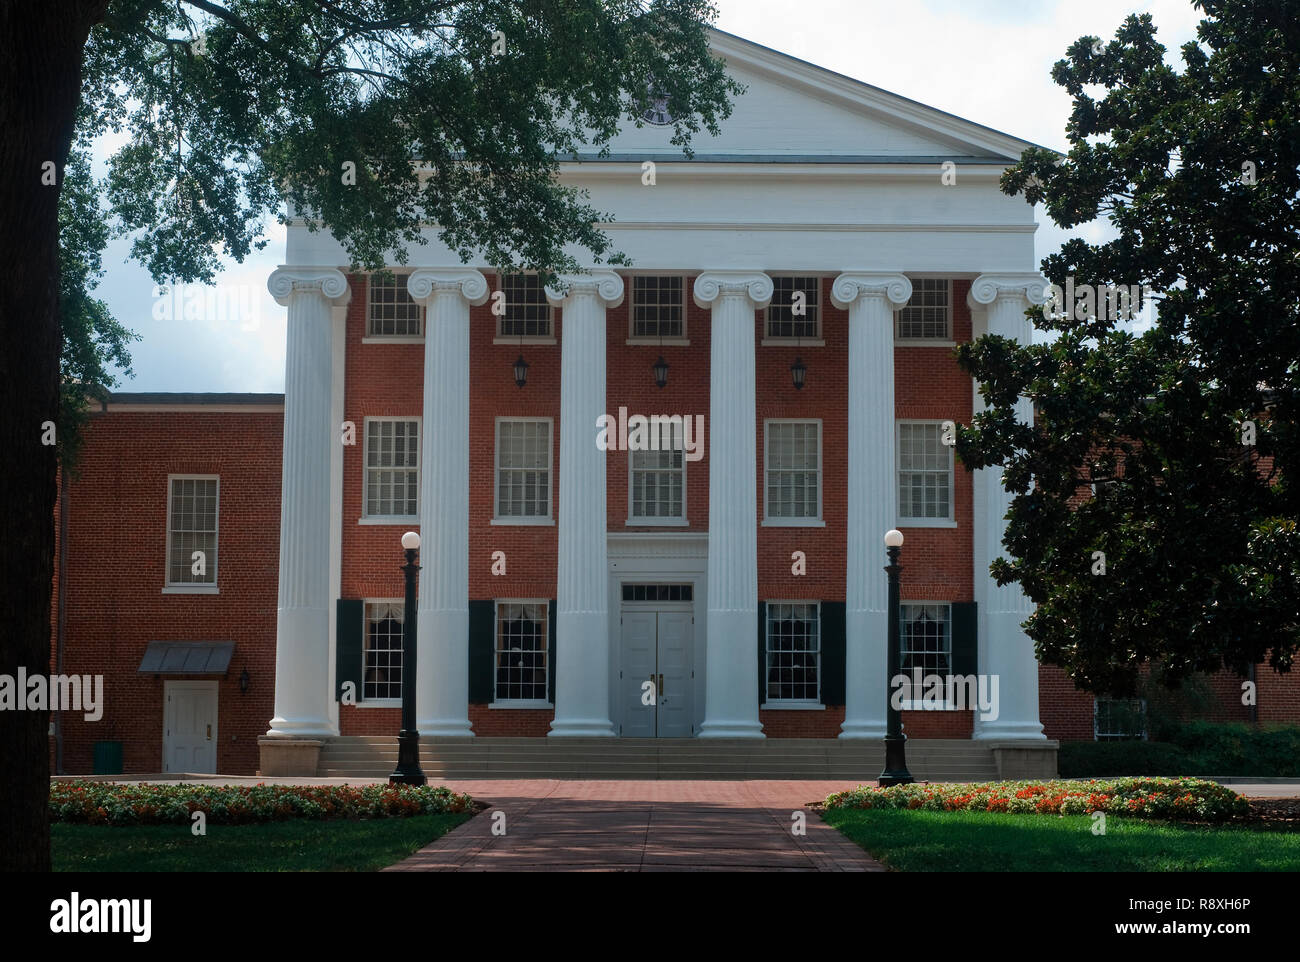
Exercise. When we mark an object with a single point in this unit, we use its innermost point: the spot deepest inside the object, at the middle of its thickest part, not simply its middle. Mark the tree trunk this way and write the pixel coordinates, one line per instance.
(41, 49)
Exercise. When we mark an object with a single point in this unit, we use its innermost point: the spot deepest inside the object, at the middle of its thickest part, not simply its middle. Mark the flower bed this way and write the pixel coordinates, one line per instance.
(108, 803)
(1182, 799)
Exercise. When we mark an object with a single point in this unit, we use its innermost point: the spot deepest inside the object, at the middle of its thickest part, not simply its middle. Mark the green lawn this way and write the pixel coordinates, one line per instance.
(295, 846)
(919, 841)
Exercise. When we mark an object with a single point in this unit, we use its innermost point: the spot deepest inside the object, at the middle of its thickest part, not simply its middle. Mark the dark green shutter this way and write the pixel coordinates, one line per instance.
(349, 636)
(550, 651)
(965, 638)
(482, 651)
(833, 652)
(762, 652)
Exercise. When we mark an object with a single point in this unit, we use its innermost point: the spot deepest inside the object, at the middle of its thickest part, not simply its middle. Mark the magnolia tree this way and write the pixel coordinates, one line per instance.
(1156, 503)
(375, 118)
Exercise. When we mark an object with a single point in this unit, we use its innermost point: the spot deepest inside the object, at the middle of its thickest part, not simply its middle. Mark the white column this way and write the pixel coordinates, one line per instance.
(871, 298)
(582, 574)
(731, 664)
(1004, 649)
(442, 622)
(302, 645)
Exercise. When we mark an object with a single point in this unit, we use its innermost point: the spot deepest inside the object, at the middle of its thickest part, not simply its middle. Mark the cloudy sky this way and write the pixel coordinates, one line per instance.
(986, 60)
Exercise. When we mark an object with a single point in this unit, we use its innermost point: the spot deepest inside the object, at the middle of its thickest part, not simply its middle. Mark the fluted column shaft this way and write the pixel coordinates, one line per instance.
(1005, 650)
(302, 644)
(582, 574)
(871, 298)
(731, 682)
(442, 623)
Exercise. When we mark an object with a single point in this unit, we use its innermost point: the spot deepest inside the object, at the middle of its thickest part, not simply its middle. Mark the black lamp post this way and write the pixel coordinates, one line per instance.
(408, 771)
(895, 772)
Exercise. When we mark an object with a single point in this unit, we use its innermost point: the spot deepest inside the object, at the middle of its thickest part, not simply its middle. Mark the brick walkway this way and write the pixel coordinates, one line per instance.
(643, 826)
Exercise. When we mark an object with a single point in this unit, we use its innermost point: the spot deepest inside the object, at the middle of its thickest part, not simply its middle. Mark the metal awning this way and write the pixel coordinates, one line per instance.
(187, 657)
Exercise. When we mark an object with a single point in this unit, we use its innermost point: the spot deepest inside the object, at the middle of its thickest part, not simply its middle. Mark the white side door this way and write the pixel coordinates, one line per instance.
(190, 727)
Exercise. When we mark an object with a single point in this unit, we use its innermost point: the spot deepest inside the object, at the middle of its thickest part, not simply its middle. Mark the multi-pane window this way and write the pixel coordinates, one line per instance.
(924, 472)
(1119, 719)
(793, 652)
(793, 467)
(191, 528)
(521, 651)
(926, 638)
(927, 314)
(392, 468)
(791, 316)
(527, 312)
(392, 312)
(683, 592)
(524, 469)
(658, 307)
(383, 652)
(658, 484)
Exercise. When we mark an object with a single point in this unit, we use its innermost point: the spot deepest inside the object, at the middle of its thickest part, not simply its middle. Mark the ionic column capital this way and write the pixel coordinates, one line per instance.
(712, 286)
(1028, 286)
(890, 285)
(470, 284)
(605, 286)
(284, 282)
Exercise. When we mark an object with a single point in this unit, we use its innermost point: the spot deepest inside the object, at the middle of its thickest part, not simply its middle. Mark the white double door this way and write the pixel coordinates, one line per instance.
(657, 677)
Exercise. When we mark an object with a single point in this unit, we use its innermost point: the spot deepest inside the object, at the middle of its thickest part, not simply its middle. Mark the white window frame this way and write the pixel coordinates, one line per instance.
(365, 479)
(819, 340)
(183, 587)
(543, 520)
(918, 704)
(508, 703)
(498, 320)
(792, 704)
(633, 521)
(951, 520)
(819, 521)
(948, 341)
(678, 340)
(368, 338)
(364, 702)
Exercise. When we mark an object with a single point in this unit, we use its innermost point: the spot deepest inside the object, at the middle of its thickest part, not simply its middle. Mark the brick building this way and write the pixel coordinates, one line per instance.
(795, 293)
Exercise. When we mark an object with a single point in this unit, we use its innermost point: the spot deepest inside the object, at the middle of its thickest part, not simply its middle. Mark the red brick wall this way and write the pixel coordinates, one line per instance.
(929, 385)
(1067, 713)
(116, 572)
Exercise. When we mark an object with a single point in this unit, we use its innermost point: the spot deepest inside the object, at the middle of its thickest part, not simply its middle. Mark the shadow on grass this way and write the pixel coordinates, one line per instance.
(919, 841)
(294, 846)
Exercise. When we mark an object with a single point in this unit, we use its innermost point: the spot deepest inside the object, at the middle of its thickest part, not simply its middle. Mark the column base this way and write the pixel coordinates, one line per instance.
(731, 729)
(582, 728)
(863, 729)
(445, 728)
(278, 757)
(1008, 730)
(306, 728)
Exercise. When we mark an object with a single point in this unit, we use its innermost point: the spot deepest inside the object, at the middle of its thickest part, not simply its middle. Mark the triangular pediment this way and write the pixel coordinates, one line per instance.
(794, 110)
